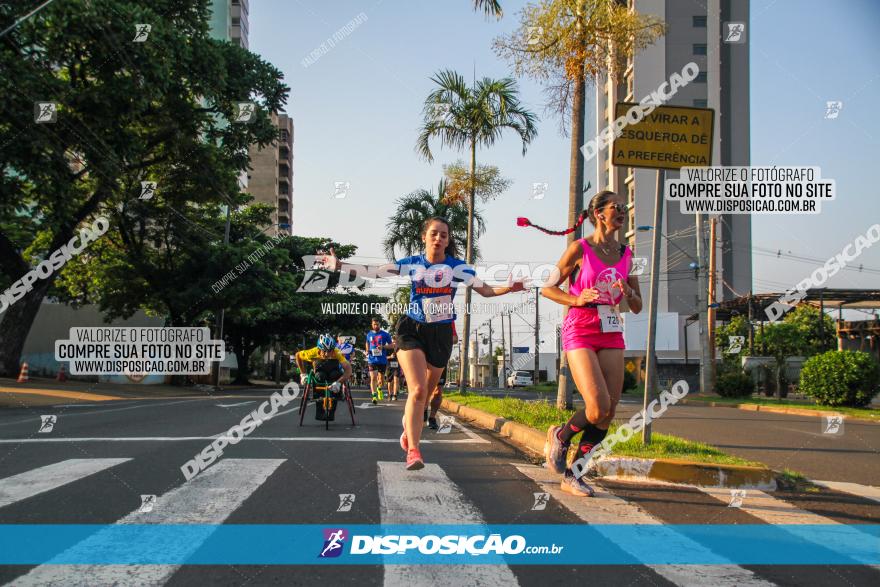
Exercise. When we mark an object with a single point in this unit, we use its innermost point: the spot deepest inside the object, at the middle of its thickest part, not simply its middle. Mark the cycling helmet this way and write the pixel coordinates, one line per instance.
(326, 342)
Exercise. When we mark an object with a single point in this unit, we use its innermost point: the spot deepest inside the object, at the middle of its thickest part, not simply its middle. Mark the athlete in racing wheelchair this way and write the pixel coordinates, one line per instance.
(327, 382)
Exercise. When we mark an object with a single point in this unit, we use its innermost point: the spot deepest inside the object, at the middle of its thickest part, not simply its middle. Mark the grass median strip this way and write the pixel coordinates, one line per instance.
(542, 414)
(865, 413)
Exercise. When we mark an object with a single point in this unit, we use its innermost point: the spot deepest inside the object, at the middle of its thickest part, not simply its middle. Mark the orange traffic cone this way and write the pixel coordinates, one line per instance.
(62, 375)
(23, 376)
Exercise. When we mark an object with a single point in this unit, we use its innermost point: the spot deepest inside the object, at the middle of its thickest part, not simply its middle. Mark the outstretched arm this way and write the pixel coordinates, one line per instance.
(487, 291)
(332, 263)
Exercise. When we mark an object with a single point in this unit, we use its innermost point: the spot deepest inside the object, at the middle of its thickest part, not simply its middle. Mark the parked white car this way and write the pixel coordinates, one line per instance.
(520, 379)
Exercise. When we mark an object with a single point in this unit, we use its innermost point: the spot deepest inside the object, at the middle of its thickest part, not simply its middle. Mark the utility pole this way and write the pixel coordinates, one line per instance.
(751, 327)
(503, 356)
(650, 354)
(711, 314)
(510, 333)
(221, 314)
(493, 364)
(537, 335)
(703, 307)
(475, 361)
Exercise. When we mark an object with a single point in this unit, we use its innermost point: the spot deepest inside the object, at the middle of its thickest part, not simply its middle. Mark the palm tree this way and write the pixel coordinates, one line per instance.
(471, 117)
(404, 228)
(489, 7)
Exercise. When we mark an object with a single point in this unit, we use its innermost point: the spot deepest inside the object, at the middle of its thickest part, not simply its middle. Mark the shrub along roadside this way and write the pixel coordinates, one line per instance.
(841, 378)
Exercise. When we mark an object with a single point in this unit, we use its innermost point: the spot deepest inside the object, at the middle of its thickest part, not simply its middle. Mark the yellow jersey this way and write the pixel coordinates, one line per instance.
(314, 354)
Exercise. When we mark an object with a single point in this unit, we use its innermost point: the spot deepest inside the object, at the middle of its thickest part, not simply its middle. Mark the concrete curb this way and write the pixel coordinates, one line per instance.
(777, 410)
(664, 470)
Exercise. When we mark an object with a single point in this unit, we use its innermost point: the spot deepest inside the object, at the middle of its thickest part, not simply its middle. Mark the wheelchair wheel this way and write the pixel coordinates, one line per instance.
(350, 402)
(307, 392)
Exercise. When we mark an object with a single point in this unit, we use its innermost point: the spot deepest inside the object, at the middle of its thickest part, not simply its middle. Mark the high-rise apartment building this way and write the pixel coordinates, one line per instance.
(229, 21)
(271, 177)
(696, 32)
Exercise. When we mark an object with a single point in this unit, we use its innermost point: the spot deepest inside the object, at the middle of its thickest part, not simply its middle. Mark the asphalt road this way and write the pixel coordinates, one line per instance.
(98, 460)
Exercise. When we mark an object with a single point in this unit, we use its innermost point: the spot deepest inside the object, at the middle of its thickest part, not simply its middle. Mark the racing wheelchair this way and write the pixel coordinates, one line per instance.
(317, 387)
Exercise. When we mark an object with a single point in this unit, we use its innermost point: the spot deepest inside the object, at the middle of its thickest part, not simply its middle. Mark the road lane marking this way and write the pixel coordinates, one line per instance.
(43, 479)
(775, 511)
(402, 500)
(863, 491)
(209, 498)
(93, 397)
(608, 509)
(150, 405)
(234, 405)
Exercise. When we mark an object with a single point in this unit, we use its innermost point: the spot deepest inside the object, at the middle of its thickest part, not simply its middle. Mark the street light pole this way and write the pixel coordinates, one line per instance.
(537, 336)
(221, 314)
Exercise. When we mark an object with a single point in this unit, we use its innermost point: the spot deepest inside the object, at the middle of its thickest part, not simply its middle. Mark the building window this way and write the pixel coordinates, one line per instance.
(700, 48)
(701, 78)
(236, 21)
(701, 103)
(699, 22)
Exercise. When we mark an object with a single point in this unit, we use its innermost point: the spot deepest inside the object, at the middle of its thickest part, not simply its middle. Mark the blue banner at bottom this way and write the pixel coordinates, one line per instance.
(570, 544)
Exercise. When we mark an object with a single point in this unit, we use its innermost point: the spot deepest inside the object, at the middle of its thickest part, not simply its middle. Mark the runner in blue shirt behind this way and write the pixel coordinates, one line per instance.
(424, 334)
(378, 344)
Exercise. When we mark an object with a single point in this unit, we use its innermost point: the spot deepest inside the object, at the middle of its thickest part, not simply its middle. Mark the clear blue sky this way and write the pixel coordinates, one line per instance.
(357, 111)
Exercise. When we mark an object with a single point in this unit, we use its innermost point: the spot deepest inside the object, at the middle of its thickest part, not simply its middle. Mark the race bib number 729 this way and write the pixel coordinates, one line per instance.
(610, 318)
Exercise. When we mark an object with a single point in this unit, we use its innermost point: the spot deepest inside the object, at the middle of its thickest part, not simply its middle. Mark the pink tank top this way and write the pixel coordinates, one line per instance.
(595, 273)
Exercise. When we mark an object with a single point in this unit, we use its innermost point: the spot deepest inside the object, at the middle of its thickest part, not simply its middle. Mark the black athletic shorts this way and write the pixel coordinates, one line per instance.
(435, 340)
(393, 369)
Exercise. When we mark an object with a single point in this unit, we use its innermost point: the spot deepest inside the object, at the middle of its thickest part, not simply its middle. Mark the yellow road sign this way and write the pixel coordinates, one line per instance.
(670, 137)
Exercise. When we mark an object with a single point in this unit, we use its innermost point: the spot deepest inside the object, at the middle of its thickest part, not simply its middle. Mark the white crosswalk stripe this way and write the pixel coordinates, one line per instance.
(863, 491)
(36, 481)
(430, 497)
(208, 498)
(776, 511)
(606, 508)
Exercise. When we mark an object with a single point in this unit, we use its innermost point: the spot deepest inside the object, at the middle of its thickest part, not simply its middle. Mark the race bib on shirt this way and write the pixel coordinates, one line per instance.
(376, 351)
(437, 309)
(392, 364)
(610, 318)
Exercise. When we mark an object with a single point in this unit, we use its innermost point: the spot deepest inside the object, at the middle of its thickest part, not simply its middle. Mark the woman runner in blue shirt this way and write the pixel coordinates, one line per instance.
(424, 334)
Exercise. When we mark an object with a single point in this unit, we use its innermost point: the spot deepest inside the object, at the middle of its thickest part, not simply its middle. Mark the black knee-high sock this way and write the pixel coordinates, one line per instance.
(575, 424)
(590, 438)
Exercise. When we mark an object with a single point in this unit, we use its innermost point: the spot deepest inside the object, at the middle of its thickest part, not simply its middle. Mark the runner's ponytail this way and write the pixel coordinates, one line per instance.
(596, 203)
(526, 222)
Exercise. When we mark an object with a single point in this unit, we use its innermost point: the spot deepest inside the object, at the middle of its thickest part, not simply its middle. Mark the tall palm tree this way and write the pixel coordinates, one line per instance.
(404, 228)
(489, 7)
(471, 117)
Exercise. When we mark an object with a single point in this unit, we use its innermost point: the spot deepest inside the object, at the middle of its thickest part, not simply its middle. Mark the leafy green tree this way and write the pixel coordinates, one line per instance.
(163, 110)
(805, 318)
(489, 182)
(399, 299)
(737, 326)
(464, 117)
(563, 44)
(411, 211)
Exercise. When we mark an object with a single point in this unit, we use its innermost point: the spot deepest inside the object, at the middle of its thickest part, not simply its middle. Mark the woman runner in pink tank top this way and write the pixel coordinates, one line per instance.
(598, 271)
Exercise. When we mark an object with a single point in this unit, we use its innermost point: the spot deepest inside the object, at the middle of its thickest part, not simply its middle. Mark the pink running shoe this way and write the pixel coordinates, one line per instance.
(414, 460)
